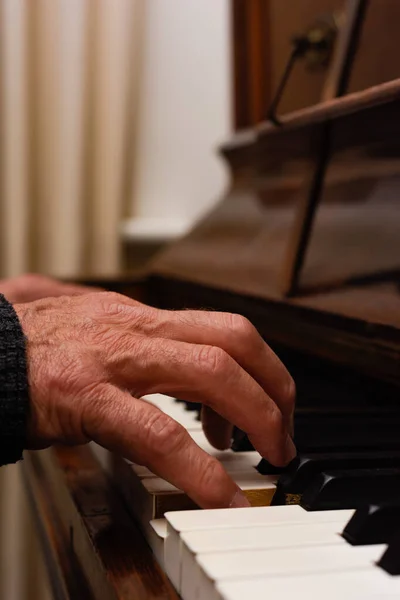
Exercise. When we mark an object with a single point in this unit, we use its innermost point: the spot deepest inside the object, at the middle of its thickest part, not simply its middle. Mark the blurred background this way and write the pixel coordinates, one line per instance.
(111, 113)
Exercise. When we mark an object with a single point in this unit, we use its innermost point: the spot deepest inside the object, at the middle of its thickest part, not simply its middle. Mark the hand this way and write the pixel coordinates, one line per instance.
(30, 287)
(92, 358)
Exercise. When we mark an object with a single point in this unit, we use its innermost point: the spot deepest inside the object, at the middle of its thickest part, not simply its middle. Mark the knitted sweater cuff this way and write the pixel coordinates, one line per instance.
(14, 389)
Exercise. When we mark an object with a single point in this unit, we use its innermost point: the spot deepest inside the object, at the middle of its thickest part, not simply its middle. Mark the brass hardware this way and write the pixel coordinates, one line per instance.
(293, 498)
(315, 46)
(318, 41)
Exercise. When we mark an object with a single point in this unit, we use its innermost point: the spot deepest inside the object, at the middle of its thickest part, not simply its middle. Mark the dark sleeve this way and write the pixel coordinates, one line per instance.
(14, 390)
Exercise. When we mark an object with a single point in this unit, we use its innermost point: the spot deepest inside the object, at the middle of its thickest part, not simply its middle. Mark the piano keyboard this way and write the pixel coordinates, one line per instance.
(225, 554)
(153, 496)
(265, 550)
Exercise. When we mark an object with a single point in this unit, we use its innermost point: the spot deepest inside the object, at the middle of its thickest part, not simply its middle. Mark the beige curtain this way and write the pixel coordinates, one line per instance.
(69, 73)
(68, 82)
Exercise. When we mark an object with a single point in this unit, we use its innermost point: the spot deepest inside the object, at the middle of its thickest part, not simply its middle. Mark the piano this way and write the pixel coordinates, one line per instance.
(306, 244)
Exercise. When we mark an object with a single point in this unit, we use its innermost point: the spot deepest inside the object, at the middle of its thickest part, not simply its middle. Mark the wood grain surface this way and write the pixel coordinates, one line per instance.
(95, 544)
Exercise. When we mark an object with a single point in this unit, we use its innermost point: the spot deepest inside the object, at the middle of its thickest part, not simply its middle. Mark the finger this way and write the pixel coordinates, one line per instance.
(240, 339)
(144, 434)
(218, 430)
(203, 374)
(233, 333)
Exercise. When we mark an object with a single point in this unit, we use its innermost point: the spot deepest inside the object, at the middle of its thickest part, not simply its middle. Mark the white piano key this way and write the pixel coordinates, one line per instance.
(200, 439)
(240, 461)
(241, 467)
(252, 538)
(186, 420)
(244, 479)
(231, 461)
(219, 567)
(197, 520)
(176, 411)
(263, 537)
(149, 495)
(156, 532)
(161, 401)
(181, 521)
(370, 583)
(141, 471)
(166, 403)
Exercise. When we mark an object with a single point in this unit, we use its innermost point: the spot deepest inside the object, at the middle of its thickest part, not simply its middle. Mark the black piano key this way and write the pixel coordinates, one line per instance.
(192, 406)
(342, 430)
(390, 560)
(373, 524)
(332, 490)
(301, 472)
(240, 441)
(266, 468)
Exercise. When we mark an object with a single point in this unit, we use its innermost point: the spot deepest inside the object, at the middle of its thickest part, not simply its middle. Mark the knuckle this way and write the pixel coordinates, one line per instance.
(111, 303)
(244, 331)
(163, 435)
(117, 308)
(212, 359)
(144, 318)
(111, 296)
(240, 325)
(90, 331)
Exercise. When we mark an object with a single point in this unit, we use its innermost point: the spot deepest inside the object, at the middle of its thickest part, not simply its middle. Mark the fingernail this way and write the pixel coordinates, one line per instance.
(239, 501)
(290, 449)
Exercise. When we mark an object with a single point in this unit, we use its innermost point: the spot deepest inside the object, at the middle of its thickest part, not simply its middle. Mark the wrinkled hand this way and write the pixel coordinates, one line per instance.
(92, 358)
(30, 287)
